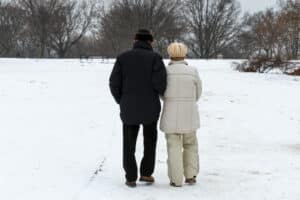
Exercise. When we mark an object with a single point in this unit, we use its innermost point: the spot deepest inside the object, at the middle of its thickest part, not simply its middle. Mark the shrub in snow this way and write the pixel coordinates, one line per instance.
(264, 64)
(293, 69)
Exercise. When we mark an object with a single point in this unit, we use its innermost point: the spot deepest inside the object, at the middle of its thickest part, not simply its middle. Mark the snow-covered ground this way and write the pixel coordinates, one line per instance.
(59, 123)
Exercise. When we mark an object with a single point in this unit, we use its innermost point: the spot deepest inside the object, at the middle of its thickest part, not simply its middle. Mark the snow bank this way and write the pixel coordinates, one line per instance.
(59, 124)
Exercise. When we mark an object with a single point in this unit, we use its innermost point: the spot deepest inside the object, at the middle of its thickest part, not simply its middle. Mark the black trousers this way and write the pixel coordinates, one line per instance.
(130, 133)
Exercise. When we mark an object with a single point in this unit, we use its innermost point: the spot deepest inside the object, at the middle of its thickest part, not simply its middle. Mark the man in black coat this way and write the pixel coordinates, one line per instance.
(136, 81)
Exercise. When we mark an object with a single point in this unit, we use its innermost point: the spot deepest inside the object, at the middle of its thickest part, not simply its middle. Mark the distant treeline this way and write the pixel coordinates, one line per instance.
(210, 28)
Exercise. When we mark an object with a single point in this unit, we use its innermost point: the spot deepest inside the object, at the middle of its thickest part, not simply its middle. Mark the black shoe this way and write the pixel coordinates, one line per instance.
(131, 184)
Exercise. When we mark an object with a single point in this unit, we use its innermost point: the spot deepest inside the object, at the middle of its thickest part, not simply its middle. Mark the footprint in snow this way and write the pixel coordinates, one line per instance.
(259, 173)
(209, 93)
(220, 146)
(294, 147)
(213, 174)
(161, 161)
(32, 81)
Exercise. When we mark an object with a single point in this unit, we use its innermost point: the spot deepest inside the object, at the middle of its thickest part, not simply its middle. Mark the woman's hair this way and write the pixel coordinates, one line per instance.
(177, 50)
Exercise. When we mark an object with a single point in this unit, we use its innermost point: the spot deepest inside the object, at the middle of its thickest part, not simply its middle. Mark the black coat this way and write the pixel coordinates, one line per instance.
(136, 81)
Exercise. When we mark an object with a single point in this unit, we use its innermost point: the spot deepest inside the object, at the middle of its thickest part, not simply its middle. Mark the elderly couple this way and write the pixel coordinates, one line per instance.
(137, 82)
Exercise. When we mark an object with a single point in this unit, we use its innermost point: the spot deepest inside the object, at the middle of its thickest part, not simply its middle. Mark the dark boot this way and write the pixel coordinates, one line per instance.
(147, 179)
(131, 184)
(174, 185)
(191, 181)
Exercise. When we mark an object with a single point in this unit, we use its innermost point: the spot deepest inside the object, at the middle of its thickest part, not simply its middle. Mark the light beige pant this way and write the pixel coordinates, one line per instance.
(183, 157)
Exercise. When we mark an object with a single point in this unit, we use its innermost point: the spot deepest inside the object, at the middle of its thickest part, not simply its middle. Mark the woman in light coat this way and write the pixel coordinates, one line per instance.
(180, 117)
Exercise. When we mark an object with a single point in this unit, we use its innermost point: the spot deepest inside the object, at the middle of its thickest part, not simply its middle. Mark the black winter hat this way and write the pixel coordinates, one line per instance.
(144, 35)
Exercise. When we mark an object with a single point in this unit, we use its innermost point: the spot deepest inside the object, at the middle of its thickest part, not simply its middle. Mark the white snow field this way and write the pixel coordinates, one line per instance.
(59, 124)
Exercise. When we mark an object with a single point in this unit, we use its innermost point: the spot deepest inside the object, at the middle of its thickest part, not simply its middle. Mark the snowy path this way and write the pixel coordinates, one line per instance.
(58, 124)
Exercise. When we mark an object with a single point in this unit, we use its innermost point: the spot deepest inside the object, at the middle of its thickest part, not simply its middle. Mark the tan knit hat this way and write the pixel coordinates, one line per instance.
(177, 50)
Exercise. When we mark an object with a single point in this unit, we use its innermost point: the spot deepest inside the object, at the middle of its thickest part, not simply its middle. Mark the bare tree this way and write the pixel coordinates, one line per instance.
(245, 42)
(125, 17)
(87, 46)
(290, 17)
(213, 25)
(70, 22)
(57, 25)
(273, 38)
(38, 16)
(11, 25)
(267, 31)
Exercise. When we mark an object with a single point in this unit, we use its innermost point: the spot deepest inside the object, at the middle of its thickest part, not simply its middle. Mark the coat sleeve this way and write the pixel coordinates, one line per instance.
(115, 82)
(159, 76)
(198, 85)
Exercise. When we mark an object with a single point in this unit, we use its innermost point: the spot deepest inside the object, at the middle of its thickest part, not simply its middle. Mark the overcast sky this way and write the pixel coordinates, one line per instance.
(256, 5)
(248, 5)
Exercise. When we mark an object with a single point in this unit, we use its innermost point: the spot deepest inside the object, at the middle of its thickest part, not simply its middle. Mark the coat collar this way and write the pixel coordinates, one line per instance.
(142, 45)
(172, 62)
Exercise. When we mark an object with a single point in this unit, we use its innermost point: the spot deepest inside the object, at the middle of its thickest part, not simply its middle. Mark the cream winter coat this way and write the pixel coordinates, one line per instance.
(180, 111)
